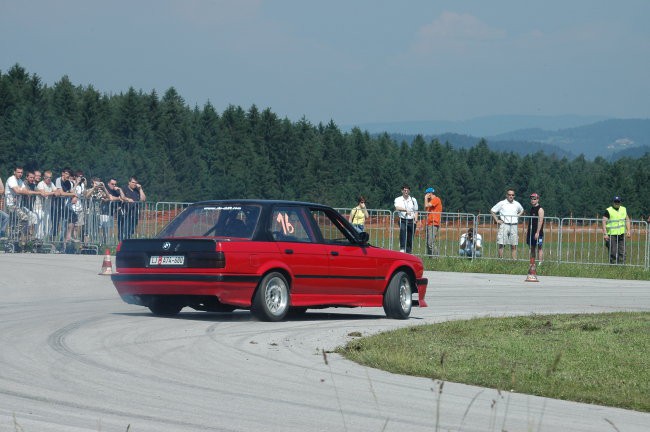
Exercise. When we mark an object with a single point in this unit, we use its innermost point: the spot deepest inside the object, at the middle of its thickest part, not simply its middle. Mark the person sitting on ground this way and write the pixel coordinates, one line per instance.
(470, 244)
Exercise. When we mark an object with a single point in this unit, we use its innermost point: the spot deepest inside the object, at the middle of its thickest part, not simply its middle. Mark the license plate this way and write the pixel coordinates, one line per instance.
(167, 260)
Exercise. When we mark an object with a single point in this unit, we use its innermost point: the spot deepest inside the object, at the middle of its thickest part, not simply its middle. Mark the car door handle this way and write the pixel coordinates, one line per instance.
(334, 253)
(288, 251)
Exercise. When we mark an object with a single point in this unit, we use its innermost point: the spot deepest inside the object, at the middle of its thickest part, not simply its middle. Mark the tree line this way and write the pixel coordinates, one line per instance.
(183, 153)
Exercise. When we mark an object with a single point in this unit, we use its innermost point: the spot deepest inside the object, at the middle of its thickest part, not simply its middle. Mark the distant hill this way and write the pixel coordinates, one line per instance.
(480, 126)
(610, 139)
(603, 138)
(458, 141)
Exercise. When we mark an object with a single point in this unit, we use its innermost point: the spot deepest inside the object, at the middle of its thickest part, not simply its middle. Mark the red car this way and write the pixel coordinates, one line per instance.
(272, 257)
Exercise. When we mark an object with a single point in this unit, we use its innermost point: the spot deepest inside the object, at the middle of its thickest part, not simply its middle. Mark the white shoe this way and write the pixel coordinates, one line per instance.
(402, 250)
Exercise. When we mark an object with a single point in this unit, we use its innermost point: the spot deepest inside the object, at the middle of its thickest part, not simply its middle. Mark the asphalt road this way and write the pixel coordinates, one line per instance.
(74, 357)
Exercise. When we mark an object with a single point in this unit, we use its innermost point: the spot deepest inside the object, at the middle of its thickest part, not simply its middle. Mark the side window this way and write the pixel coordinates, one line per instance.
(330, 229)
(290, 224)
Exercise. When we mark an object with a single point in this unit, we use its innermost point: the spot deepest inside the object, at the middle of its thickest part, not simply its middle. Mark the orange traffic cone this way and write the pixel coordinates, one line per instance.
(107, 265)
(532, 272)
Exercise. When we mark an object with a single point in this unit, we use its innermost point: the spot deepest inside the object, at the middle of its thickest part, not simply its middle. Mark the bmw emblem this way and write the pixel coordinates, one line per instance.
(166, 245)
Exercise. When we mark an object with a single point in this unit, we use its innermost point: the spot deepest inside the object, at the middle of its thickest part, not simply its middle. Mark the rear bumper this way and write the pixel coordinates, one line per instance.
(229, 289)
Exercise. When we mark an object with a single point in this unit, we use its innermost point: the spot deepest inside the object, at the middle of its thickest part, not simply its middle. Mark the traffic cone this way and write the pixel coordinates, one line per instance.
(532, 272)
(107, 265)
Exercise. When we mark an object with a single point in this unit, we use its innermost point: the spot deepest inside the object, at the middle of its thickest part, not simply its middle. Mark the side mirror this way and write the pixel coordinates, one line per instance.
(364, 237)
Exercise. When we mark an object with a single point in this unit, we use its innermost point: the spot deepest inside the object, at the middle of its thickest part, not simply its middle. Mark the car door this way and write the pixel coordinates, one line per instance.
(353, 269)
(298, 248)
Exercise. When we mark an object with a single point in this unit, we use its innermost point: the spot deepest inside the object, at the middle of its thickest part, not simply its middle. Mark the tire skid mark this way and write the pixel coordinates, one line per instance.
(57, 340)
(112, 412)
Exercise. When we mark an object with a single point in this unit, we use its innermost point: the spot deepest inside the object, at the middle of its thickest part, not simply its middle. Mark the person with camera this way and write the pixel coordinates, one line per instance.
(407, 208)
(470, 244)
(433, 206)
(133, 196)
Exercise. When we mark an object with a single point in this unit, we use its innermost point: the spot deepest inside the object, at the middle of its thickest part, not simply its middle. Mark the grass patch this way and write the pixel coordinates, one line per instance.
(548, 268)
(599, 359)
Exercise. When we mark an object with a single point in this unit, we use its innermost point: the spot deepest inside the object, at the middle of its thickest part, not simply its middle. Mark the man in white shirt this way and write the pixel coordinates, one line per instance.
(16, 195)
(4, 217)
(470, 244)
(506, 214)
(407, 207)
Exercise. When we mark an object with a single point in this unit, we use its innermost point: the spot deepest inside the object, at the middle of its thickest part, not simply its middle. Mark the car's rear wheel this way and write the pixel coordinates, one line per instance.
(397, 298)
(165, 307)
(271, 300)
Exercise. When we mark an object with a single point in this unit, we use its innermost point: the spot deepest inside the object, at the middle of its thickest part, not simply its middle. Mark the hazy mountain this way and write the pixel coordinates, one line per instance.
(479, 126)
(521, 147)
(610, 139)
(603, 138)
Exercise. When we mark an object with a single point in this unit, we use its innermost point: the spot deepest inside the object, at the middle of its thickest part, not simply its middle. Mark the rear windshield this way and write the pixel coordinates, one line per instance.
(235, 221)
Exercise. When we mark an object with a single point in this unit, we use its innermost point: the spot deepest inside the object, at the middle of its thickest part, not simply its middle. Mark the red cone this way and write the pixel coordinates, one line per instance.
(107, 265)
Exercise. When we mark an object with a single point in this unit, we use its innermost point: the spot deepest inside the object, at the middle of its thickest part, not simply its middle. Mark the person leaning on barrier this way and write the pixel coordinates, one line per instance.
(133, 196)
(110, 206)
(616, 225)
(4, 217)
(508, 211)
(359, 214)
(470, 244)
(43, 205)
(16, 196)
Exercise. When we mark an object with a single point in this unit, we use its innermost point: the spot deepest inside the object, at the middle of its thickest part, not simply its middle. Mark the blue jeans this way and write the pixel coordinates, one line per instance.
(406, 230)
(4, 220)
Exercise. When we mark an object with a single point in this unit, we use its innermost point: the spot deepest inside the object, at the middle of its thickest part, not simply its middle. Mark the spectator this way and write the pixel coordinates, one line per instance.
(508, 211)
(133, 196)
(616, 224)
(63, 214)
(77, 205)
(16, 196)
(535, 232)
(359, 214)
(407, 207)
(471, 244)
(94, 196)
(433, 206)
(58, 206)
(4, 217)
(30, 201)
(111, 205)
(43, 205)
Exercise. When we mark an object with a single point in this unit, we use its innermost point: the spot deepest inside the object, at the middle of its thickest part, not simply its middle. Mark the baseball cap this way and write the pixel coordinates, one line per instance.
(430, 190)
(534, 195)
(617, 198)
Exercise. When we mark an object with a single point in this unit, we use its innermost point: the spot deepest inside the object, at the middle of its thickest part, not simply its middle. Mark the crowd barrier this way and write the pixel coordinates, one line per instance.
(92, 225)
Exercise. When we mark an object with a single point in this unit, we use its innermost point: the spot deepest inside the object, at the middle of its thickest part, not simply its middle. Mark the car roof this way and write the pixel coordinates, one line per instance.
(263, 202)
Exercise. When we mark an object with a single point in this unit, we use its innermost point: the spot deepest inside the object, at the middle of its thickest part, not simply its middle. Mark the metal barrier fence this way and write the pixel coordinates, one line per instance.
(55, 225)
(582, 242)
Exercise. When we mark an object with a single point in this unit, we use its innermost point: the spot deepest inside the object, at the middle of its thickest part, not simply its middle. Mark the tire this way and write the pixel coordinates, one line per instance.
(160, 306)
(397, 298)
(271, 300)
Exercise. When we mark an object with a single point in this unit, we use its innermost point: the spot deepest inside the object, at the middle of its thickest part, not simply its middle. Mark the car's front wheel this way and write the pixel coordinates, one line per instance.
(271, 300)
(397, 298)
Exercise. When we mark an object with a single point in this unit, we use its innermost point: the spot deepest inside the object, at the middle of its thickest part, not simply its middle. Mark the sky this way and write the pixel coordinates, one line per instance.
(350, 61)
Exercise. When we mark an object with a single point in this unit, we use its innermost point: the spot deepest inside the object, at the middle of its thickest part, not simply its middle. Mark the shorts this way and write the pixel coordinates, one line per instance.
(530, 240)
(508, 234)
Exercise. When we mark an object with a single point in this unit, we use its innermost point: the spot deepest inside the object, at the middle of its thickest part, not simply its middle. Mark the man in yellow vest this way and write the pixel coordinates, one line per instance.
(616, 224)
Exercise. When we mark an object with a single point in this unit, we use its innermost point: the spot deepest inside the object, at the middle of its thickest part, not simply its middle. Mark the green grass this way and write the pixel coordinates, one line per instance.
(548, 268)
(599, 358)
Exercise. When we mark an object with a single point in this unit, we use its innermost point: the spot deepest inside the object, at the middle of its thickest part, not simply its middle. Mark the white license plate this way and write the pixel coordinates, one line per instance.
(167, 260)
